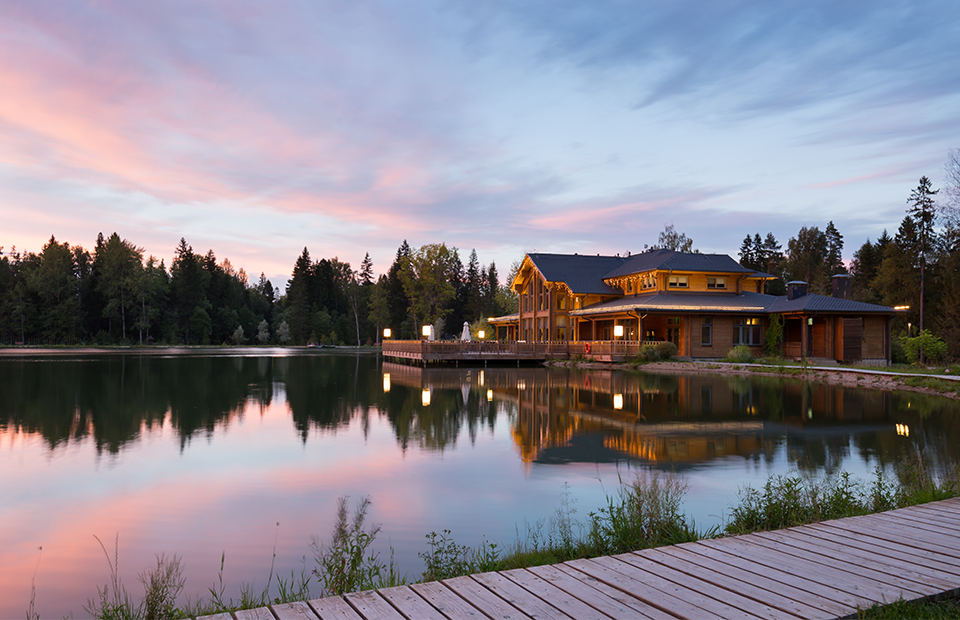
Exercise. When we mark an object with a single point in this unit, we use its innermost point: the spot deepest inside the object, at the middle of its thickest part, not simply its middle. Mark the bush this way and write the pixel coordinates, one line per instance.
(667, 350)
(739, 354)
(934, 349)
(649, 353)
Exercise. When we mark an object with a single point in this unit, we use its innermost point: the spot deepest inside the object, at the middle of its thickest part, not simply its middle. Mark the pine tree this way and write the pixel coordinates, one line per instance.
(923, 212)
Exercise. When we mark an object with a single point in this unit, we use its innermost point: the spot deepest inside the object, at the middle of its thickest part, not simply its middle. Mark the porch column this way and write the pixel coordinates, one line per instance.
(804, 337)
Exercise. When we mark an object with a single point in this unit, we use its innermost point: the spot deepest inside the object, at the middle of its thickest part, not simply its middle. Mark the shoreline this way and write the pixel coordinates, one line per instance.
(870, 378)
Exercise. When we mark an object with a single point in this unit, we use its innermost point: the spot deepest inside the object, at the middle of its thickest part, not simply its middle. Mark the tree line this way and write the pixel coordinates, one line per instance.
(66, 294)
(918, 268)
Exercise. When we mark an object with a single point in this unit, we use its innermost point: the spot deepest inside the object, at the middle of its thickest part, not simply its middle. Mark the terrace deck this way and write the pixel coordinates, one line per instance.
(820, 571)
(437, 351)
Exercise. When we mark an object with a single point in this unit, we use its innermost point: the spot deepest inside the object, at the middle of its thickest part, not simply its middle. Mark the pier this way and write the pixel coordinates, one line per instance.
(820, 571)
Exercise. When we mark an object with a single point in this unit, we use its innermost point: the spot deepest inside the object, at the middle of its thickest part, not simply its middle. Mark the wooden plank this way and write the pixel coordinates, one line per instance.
(410, 604)
(294, 611)
(522, 599)
(483, 599)
(221, 616)
(730, 556)
(877, 572)
(370, 605)
(446, 602)
(905, 570)
(743, 584)
(262, 613)
(866, 593)
(840, 530)
(873, 546)
(597, 595)
(853, 572)
(896, 527)
(558, 597)
(707, 588)
(654, 590)
(807, 603)
(938, 511)
(912, 538)
(334, 608)
(614, 594)
(925, 522)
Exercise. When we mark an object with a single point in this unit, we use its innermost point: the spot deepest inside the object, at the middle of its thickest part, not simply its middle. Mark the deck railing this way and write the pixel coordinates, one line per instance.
(456, 349)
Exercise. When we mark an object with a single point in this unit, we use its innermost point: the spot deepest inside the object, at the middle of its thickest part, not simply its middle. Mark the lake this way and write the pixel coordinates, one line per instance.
(240, 453)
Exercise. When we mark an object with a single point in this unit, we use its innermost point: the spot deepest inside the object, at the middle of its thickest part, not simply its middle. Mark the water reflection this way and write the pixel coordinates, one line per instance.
(207, 453)
(680, 421)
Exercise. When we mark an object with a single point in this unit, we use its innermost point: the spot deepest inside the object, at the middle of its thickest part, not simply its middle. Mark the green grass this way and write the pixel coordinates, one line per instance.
(948, 609)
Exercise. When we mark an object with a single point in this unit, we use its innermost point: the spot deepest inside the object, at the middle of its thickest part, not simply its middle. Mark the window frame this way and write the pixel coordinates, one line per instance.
(678, 282)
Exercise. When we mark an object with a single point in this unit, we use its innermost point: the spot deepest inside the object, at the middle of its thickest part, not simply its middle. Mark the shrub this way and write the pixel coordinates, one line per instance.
(649, 353)
(739, 354)
(773, 336)
(667, 350)
(934, 349)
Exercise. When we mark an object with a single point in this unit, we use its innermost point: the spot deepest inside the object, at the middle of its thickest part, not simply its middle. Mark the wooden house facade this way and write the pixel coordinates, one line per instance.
(704, 303)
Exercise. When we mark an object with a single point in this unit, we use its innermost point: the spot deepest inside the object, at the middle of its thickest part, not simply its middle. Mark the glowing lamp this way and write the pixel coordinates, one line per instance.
(386, 332)
(618, 401)
(481, 334)
(426, 331)
(617, 331)
(386, 382)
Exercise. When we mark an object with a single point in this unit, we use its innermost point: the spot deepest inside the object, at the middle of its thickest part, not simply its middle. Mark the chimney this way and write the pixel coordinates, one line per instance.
(796, 289)
(842, 283)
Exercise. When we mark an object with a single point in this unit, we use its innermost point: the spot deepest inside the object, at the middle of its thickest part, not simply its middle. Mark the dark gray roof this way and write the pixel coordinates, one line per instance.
(811, 302)
(730, 302)
(678, 261)
(684, 302)
(582, 274)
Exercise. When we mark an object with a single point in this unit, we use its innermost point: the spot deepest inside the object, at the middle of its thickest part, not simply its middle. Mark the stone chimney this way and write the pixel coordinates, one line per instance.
(842, 284)
(796, 289)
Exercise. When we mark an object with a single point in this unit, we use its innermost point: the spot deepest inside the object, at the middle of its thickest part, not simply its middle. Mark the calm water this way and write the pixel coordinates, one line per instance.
(237, 453)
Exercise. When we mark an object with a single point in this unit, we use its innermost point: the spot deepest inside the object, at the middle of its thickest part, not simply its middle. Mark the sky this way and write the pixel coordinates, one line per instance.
(258, 128)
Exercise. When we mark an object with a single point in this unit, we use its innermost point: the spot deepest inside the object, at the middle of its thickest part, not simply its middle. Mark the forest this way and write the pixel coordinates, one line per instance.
(111, 295)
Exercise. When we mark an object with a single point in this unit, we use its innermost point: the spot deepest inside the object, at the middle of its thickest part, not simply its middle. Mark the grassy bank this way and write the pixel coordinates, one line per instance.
(645, 512)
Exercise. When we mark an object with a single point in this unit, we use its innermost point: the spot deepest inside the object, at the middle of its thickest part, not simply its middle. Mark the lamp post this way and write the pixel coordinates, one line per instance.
(387, 333)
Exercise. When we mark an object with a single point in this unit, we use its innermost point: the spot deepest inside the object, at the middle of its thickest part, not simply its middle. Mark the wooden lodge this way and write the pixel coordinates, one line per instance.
(607, 307)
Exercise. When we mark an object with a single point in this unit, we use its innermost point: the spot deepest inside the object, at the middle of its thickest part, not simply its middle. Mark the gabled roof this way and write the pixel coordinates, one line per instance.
(667, 260)
(582, 274)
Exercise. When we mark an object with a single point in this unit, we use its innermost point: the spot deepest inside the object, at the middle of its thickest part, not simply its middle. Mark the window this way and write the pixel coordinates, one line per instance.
(679, 282)
(649, 282)
(746, 331)
(561, 302)
(629, 286)
(716, 283)
(706, 331)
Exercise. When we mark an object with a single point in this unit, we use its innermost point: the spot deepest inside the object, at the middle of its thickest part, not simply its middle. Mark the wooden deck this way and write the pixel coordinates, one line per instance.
(437, 351)
(820, 571)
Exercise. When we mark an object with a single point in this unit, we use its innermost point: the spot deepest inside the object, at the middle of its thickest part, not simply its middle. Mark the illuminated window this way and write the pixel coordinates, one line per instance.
(679, 282)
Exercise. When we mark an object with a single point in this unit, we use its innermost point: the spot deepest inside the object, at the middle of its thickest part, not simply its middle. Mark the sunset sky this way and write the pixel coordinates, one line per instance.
(257, 128)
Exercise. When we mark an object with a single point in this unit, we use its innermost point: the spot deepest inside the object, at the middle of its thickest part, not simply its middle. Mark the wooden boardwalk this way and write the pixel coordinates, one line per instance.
(825, 570)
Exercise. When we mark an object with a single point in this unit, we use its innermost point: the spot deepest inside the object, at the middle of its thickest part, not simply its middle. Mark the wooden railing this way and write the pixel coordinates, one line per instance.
(439, 350)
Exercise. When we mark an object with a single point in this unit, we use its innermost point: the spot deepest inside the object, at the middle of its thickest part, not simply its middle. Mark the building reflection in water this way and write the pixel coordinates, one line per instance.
(679, 421)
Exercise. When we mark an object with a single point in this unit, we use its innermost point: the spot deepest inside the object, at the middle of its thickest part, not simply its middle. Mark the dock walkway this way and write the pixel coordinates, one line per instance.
(819, 571)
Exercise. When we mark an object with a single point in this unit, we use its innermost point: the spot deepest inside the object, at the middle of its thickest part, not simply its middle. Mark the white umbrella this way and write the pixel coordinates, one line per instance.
(466, 332)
